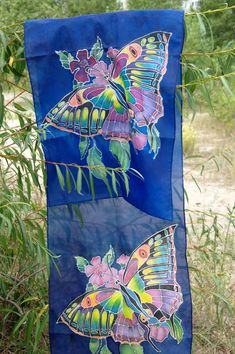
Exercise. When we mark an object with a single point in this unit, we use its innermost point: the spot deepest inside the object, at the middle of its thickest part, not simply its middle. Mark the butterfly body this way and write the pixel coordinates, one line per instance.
(138, 307)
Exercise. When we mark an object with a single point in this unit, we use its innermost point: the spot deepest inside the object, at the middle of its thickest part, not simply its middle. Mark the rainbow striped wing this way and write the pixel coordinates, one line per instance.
(93, 314)
(139, 67)
(151, 273)
(84, 111)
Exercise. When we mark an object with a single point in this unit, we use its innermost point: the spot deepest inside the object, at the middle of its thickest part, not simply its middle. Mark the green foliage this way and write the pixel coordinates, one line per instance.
(109, 256)
(152, 4)
(81, 263)
(131, 348)
(121, 150)
(97, 49)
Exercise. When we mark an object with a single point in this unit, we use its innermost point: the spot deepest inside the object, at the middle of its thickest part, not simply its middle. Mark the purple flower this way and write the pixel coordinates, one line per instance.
(80, 66)
(139, 140)
(102, 73)
(96, 271)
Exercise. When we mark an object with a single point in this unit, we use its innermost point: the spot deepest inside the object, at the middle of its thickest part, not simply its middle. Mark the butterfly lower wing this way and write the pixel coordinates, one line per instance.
(128, 330)
(93, 314)
(151, 273)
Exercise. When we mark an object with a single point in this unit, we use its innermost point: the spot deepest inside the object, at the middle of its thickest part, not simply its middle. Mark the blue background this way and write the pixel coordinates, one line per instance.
(123, 222)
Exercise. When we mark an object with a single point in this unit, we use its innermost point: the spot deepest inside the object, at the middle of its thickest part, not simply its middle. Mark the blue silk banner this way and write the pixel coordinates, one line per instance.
(104, 89)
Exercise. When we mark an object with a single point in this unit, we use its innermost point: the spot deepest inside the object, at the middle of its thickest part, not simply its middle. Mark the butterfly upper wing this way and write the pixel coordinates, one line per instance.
(139, 67)
(151, 273)
(93, 314)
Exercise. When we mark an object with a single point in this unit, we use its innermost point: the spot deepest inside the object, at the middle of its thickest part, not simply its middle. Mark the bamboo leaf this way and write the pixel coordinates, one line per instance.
(79, 180)
(68, 181)
(126, 181)
(114, 183)
(60, 177)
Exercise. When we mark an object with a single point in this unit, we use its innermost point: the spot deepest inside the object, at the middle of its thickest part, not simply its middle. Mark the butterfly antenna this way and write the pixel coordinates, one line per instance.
(152, 343)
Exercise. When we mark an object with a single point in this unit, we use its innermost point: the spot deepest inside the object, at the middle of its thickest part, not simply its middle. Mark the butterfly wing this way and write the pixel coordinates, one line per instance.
(93, 314)
(151, 273)
(89, 111)
(139, 68)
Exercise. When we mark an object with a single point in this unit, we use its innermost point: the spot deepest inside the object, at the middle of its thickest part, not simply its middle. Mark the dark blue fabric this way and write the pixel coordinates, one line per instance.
(123, 222)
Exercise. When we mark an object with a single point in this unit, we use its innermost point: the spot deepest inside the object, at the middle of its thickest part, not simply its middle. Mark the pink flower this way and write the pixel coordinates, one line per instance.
(80, 67)
(112, 53)
(102, 73)
(96, 271)
(139, 140)
(113, 278)
(122, 260)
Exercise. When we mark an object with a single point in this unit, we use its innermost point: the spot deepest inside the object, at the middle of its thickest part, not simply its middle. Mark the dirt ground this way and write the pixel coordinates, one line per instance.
(213, 187)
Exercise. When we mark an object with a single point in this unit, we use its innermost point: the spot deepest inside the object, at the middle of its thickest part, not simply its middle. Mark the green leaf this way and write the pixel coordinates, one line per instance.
(97, 49)
(91, 185)
(121, 151)
(105, 350)
(68, 182)
(19, 107)
(79, 181)
(154, 140)
(83, 146)
(60, 177)
(114, 183)
(81, 263)
(176, 329)
(226, 86)
(109, 256)
(131, 348)
(1, 106)
(94, 158)
(65, 58)
(126, 181)
(94, 345)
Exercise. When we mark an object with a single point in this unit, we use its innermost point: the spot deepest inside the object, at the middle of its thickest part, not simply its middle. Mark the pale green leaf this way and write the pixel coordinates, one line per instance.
(109, 256)
(121, 151)
(81, 263)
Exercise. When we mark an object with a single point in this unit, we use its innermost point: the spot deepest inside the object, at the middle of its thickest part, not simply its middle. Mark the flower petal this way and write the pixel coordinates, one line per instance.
(73, 65)
(89, 270)
(139, 141)
(82, 54)
(81, 75)
(96, 261)
(91, 61)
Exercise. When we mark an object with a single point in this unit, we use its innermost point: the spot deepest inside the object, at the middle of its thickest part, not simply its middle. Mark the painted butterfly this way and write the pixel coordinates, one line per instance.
(140, 306)
(129, 90)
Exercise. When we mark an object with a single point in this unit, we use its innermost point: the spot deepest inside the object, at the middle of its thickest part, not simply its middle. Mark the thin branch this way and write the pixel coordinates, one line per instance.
(19, 87)
(210, 11)
(14, 98)
(18, 157)
(219, 52)
(209, 78)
